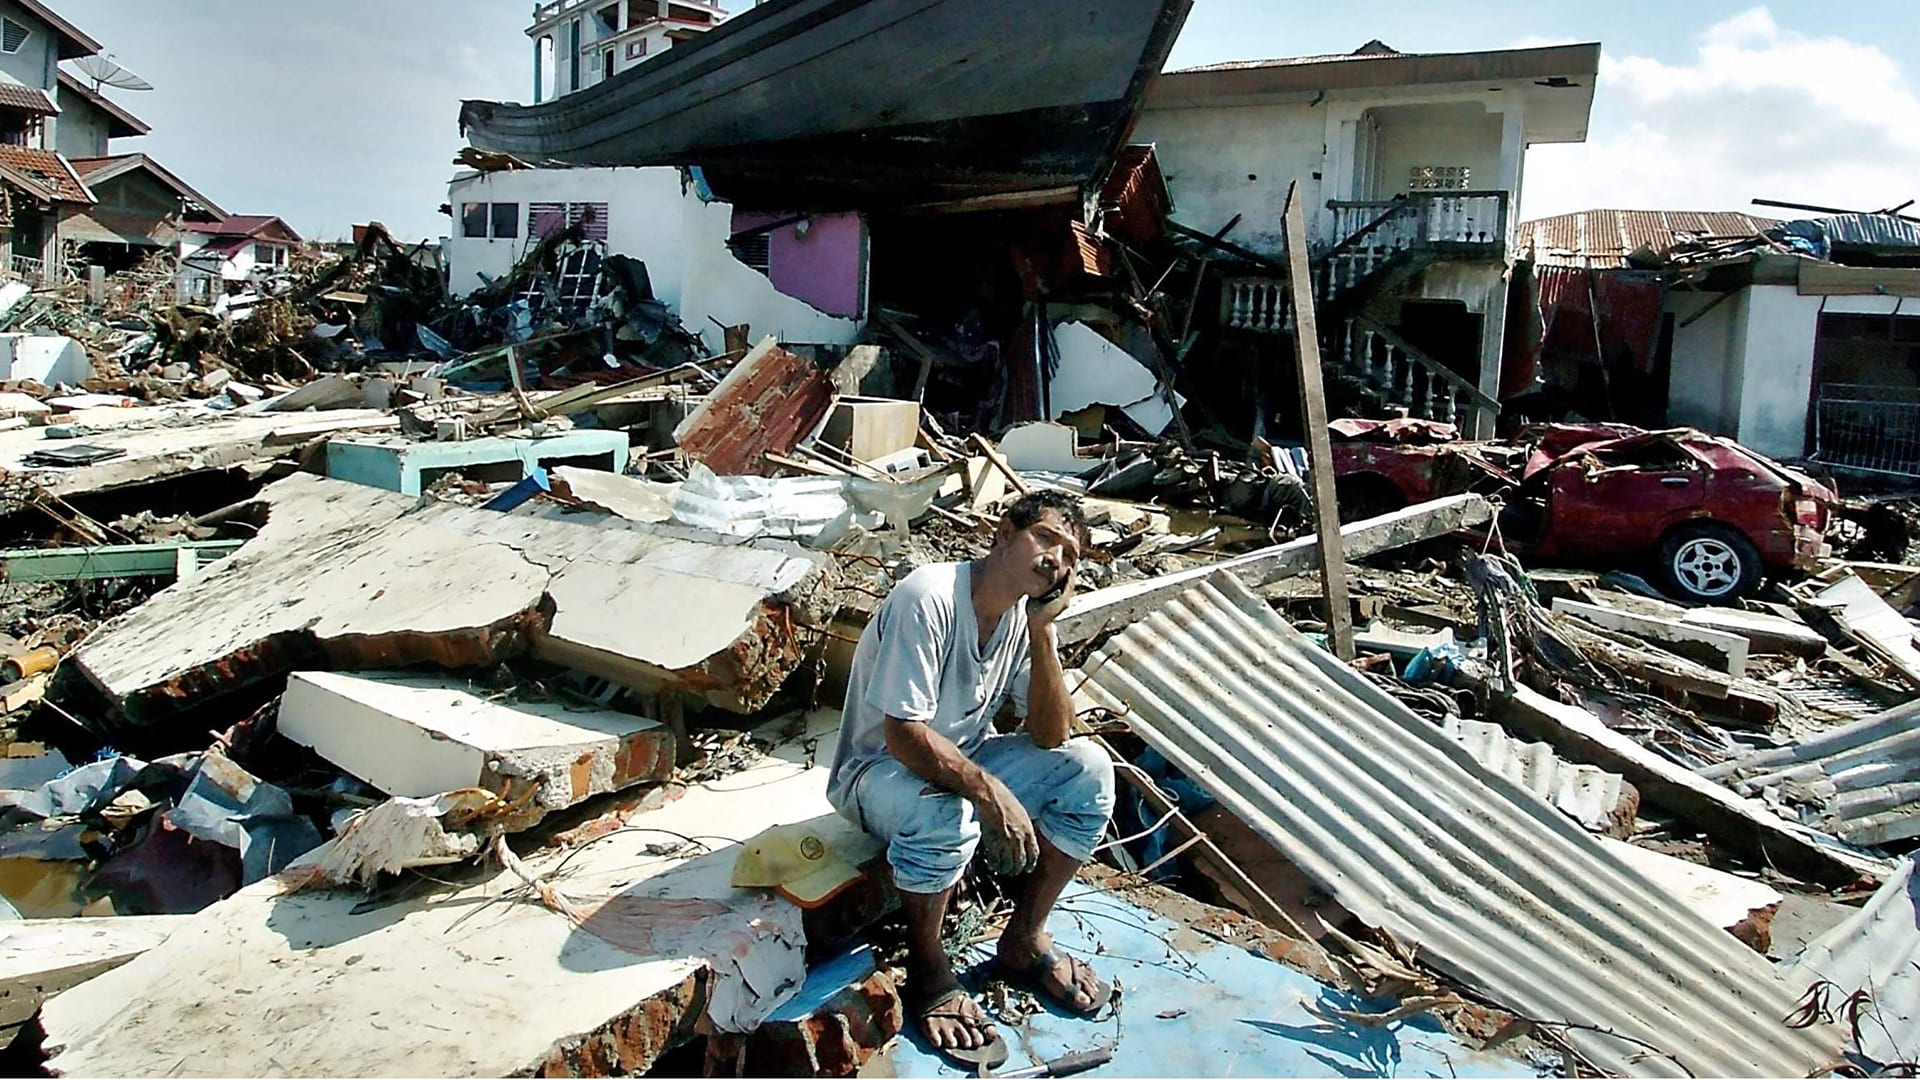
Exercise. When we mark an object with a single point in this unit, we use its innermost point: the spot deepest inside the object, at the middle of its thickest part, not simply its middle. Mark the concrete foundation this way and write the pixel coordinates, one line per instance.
(422, 735)
(409, 467)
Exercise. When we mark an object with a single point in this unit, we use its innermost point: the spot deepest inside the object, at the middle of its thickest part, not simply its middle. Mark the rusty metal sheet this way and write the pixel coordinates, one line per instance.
(1603, 239)
(768, 402)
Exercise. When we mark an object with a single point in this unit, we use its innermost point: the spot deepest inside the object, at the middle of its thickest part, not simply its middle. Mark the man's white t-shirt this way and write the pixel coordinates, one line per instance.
(920, 660)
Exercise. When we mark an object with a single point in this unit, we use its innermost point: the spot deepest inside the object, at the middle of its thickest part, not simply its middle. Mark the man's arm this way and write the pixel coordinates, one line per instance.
(1049, 706)
(1012, 845)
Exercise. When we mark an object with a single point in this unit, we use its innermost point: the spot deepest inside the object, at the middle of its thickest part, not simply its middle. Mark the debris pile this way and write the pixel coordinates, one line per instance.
(384, 639)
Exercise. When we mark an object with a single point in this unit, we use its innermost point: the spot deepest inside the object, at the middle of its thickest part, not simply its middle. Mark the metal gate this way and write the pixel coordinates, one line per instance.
(1869, 428)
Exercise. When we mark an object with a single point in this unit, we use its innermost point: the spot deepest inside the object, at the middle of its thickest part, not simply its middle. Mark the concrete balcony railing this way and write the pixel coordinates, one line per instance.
(544, 13)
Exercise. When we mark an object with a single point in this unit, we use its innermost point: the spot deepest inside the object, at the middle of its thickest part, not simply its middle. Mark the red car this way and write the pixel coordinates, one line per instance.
(1710, 516)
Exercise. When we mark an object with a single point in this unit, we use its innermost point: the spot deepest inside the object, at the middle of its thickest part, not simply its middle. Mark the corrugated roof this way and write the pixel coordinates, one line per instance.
(1600, 801)
(1871, 230)
(1877, 950)
(768, 402)
(1604, 238)
(1860, 782)
(48, 171)
(1407, 831)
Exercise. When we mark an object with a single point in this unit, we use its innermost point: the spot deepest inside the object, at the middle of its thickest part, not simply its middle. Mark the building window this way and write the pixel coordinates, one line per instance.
(269, 255)
(606, 64)
(636, 49)
(473, 220)
(13, 36)
(545, 219)
(609, 20)
(506, 221)
(1439, 178)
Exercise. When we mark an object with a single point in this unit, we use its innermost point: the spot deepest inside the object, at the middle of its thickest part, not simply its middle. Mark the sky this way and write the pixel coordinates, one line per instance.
(331, 112)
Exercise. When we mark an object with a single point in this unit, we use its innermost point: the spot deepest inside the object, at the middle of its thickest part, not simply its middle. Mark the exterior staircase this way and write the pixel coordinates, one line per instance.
(1385, 245)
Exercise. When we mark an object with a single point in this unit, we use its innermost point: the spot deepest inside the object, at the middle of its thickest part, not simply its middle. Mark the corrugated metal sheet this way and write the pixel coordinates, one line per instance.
(1600, 801)
(1877, 950)
(769, 401)
(1871, 230)
(1406, 830)
(1604, 238)
(1860, 782)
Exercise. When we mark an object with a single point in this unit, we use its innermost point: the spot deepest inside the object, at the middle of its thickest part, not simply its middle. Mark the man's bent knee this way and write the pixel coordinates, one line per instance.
(930, 848)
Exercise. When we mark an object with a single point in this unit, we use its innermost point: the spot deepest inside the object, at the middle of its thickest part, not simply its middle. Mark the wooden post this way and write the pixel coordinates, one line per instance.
(1313, 402)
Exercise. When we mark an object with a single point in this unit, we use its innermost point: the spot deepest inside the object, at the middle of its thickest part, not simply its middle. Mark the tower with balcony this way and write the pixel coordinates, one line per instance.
(582, 43)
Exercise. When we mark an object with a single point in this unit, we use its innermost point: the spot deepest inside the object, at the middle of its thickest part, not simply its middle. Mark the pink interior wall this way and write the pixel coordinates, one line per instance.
(825, 268)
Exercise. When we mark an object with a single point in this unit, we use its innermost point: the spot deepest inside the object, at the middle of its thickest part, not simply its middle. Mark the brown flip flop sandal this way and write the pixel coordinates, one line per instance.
(988, 1057)
(1034, 978)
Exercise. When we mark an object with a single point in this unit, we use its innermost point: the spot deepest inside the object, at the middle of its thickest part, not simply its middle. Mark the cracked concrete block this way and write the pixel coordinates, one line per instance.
(420, 735)
(346, 577)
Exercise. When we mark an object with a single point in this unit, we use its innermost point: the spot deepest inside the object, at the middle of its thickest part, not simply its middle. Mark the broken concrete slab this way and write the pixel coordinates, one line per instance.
(1741, 905)
(42, 957)
(14, 404)
(1721, 651)
(158, 443)
(1094, 613)
(344, 576)
(420, 735)
(476, 978)
(1095, 371)
(1881, 631)
(1400, 644)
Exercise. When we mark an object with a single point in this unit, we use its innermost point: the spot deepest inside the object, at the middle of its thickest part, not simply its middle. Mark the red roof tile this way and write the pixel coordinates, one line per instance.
(48, 172)
(27, 99)
(243, 225)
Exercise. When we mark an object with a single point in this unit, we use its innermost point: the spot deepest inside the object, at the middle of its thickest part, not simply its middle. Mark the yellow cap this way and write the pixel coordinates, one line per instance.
(796, 862)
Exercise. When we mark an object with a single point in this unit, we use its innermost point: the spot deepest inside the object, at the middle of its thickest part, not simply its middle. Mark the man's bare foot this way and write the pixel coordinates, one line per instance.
(950, 1018)
(1070, 982)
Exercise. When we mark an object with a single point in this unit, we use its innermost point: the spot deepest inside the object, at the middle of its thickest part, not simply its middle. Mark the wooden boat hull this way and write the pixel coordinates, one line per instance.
(840, 104)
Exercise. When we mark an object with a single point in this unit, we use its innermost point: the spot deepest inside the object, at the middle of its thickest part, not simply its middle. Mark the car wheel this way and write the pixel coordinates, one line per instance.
(1708, 563)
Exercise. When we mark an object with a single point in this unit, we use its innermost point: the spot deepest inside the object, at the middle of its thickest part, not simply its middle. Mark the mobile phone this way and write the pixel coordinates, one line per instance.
(1054, 593)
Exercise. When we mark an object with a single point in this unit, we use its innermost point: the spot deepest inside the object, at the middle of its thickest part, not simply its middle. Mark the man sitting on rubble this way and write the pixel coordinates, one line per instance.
(920, 766)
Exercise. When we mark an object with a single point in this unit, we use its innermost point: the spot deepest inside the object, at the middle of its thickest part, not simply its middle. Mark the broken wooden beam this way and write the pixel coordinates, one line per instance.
(1742, 824)
(1112, 608)
(1722, 651)
(1313, 405)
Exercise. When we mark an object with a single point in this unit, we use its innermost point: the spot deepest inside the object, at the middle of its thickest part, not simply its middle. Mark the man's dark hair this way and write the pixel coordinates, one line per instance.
(1030, 508)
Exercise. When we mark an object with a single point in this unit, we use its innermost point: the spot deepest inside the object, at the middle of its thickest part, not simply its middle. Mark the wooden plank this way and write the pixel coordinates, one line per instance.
(1743, 824)
(1727, 652)
(1094, 613)
(1313, 401)
(115, 561)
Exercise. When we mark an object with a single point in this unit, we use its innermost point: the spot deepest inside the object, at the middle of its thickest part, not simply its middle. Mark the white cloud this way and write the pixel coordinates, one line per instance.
(1761, 110)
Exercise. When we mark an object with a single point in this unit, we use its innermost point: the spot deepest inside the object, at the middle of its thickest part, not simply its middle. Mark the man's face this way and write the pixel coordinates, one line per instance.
(1042, 554)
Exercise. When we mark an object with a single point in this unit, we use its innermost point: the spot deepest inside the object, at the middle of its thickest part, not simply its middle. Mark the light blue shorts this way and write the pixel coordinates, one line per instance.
(931, 834)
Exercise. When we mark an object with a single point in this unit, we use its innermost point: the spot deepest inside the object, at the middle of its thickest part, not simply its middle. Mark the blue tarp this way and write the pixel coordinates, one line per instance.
(1194, 1006)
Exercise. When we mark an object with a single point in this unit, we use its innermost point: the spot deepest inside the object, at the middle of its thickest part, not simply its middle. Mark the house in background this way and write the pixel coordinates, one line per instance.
(1410, 167)
(142, 209)
(217, 257)
(1800, 339)
(582, 43)
(56, 142)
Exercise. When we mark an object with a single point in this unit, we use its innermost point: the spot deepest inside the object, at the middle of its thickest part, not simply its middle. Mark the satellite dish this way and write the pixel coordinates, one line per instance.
(105, 72)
